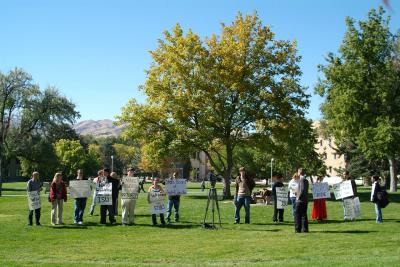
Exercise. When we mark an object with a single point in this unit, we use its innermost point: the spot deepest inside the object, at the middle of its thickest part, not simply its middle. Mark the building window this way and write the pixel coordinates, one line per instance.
(325, 156)
(334, 155)
(330, 169)
(320, 142)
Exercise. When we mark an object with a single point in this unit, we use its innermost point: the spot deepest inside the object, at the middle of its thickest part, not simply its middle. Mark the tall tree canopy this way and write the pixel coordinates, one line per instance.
(204, 94)
(27, 112)
(361, 86)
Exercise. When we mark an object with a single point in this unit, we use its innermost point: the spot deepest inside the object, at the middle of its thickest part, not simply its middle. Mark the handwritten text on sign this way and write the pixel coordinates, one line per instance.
(281, 198)
(175, 187)
(321, 190)
(34, 200)
(130, 186)
(157, 204)
(351, 208)
(342, 190)
(104, 194)
(80, 188)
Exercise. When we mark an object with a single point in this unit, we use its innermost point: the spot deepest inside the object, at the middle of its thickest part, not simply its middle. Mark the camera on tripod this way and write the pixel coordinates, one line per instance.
(213, 179)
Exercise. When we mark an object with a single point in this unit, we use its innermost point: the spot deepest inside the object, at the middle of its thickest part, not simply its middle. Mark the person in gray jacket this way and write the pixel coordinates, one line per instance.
(34, 184)
(301, 220)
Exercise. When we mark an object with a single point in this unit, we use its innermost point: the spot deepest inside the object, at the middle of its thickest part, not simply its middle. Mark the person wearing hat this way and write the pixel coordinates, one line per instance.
(104, 208)
(128, 205)
(244, 186)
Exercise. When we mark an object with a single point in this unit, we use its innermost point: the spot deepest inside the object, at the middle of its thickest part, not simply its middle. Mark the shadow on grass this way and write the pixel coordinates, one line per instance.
(343, 232)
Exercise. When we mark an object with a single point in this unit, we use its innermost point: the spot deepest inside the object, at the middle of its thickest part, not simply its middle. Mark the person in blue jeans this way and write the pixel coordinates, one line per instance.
(374, 198)
(34, 184)
(173, 201)
(293, 187)
(244, 186)
(80, 203)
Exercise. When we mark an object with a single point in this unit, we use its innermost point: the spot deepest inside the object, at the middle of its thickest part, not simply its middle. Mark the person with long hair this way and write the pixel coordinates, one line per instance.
(58, 195)
(244, 186)
(319, 208)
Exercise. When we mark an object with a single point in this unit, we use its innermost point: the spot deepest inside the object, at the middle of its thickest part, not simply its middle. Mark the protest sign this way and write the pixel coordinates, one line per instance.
(157, 204)
(130, 187)
(80, 188)
(348, 205)
(352, 208)
(357, 207)
(321, 190)
(175, 187)
(34, 200)
(281, 198)
(343, 190)
(104, 194)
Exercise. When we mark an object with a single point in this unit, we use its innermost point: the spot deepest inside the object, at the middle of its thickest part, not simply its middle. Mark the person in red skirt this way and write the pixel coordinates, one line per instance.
(319, 208)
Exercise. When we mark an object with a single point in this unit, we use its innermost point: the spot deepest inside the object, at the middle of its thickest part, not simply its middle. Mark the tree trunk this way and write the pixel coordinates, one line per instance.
(393, 174)
(1, 176)
(228, 172)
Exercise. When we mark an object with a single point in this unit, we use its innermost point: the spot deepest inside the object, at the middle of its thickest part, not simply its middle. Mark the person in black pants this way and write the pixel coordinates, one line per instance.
(109, 208)
(301, 220)
(278, 213)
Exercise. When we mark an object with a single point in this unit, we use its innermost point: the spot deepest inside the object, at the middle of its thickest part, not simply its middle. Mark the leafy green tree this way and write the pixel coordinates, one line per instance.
(128, 155)
(361, 86)
(71, 156)
(217, 91)
(26, 112)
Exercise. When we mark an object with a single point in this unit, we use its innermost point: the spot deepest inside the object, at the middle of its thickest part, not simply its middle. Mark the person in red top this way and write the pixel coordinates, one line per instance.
(58, 195)
(319, 209)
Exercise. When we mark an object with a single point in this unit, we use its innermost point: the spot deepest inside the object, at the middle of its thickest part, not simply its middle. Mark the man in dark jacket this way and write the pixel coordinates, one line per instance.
(109, 208)
(301, 220)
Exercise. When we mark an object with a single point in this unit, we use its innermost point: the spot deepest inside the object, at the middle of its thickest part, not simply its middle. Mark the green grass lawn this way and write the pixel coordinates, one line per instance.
(262, 243)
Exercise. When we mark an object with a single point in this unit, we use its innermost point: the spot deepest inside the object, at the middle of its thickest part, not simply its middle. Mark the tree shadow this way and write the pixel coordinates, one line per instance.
(343, 232)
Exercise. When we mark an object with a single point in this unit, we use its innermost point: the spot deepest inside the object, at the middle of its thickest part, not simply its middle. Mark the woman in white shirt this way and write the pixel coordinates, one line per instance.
(293, 187)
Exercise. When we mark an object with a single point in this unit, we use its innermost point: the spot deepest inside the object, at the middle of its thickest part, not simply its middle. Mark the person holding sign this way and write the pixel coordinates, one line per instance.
(116, 183)
(58, 195)
(278, 184)
(244, 186)
(319, 208)
(347, 177)
(173, 201)
(34, 186)
(80, 202)
(108, 206)
(155, 199)
(301, 220)
(376, 188)
(96, 182)
(129, 195)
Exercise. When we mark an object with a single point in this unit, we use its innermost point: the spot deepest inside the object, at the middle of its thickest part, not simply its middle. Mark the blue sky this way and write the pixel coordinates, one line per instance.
(96, 52)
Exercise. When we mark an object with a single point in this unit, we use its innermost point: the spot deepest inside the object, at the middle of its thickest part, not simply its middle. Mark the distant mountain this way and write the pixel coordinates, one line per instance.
(100, 128)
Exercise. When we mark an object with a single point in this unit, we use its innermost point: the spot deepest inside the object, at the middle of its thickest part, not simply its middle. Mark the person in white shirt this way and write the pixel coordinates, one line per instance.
(96, 181)
(293, 187)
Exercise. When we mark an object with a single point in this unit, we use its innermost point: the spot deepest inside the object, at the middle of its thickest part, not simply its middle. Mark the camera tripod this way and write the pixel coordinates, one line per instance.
(213, 198)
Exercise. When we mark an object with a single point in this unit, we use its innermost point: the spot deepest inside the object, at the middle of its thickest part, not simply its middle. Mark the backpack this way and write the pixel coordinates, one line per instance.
(383, 199)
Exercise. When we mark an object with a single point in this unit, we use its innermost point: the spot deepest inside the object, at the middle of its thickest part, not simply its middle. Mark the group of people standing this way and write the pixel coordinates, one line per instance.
(58, 195)
(298, 194)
